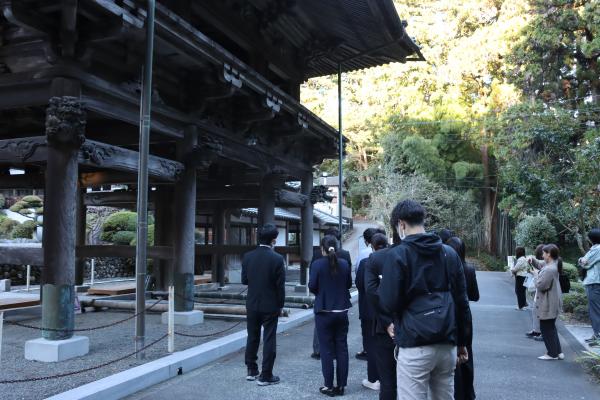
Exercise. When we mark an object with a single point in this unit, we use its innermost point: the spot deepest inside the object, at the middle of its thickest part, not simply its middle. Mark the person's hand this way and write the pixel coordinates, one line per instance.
(390, 330)
(462, 355)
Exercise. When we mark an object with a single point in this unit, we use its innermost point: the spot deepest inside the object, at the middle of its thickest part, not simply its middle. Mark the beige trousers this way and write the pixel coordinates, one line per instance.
(426, 369)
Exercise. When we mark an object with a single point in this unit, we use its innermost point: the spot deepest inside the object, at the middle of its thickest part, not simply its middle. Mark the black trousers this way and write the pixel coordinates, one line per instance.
(463, 379)
(520, 291)
(332, 329)
(386, 366)
(256, 320)
(366, 326)
(550, 335)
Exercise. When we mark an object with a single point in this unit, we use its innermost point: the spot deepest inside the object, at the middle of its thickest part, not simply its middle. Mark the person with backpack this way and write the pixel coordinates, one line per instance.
(423, 287)
(330, 281)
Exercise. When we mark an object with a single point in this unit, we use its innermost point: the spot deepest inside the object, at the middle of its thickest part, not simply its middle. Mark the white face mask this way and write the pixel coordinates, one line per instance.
(401, 232)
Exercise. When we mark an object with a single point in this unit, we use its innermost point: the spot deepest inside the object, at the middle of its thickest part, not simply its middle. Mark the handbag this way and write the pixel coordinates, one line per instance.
(429, 318)
(565, 283)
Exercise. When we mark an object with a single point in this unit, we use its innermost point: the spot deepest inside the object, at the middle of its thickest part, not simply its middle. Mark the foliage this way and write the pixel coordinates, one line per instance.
(32, 201)
(490, 262)
(581, 313)
(577, 287)
(150, 236)
(572, 300)
(6, 227)
(445, 208)
(123, 237)
(119, 221)
(24, 230)
(591, 361)
(18, 206)
(571, 271)
(2, 201)
(534, 230)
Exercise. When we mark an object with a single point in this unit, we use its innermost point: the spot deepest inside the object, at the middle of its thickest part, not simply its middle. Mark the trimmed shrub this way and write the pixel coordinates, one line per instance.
(25, 211)
(2, 201)
(581, 313)
(573, 300)
(577, 287)
(150, 237)
(32, 201)
(18, 206)
(24, 230)
(533, 230)
(490, 262)
(571, 271)
(39, 210)
(6, 227)
(119, 221)
(123, 237)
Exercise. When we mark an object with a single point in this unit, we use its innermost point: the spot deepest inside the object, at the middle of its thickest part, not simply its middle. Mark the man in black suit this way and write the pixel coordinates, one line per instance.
(264, 272)
(341, 253)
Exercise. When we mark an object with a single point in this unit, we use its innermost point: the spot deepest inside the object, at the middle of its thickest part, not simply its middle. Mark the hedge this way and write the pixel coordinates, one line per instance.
(571, 271)
(572, 300)
(18, 206)
(32, 201)
(123, 237)
(24, 230)
(150, 237)
(2, 201)
(6, 227)
(119, 221)
(577, 287)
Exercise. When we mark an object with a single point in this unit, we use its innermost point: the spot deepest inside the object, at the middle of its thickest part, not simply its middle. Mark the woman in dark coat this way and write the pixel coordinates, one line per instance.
(465, 373)
(330, 281)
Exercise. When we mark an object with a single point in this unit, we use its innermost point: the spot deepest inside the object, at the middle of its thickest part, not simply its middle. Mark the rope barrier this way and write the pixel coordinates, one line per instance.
(83, 329)
(209, 334)
(65, 374)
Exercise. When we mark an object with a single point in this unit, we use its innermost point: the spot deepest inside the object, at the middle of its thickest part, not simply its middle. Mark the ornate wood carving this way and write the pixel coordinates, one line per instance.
(65, 122)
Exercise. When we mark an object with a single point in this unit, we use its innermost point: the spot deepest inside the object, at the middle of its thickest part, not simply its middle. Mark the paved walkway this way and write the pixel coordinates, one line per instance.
(505, 362)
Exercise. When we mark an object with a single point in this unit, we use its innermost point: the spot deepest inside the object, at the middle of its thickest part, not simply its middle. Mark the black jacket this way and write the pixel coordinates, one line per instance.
(344, 254)
(331, 290)
(416, 267)
(263, 271)
(365, 310)
(373, 270)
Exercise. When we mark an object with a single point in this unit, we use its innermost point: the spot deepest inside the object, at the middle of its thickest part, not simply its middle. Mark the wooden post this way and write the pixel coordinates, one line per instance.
(219, 224)
(171, 320)
(81, 224)
(65, 127)
(185, 225)
(266, 210)
(306, 238)
(162, 269)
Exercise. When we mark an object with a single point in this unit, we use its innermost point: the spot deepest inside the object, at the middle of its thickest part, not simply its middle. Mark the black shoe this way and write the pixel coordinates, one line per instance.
(252, 374)
(361, 355)
(327, 391)
(339, 391)
(538, 338)
(272, 380)
(316, 356)
(532, 334)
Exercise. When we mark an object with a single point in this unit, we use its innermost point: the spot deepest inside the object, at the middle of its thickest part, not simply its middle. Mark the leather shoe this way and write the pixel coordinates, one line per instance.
(327, 391)
(316, 356)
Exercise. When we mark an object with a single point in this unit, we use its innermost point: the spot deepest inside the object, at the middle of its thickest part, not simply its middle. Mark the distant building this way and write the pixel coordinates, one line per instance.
(332, 184)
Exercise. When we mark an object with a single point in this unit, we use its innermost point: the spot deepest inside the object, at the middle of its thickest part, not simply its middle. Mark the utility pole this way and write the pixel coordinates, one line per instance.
(341, 151)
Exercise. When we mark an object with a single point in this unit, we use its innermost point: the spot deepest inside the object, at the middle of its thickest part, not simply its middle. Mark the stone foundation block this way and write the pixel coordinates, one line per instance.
(185, 318)
(56, 350)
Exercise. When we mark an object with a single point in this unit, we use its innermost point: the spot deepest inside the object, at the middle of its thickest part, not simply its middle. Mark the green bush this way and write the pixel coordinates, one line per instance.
(491, 263)
(573, 300)
(581, 313)
(6, 227)
(577, 287)
(123, 237)
(24, 230)
(18, 206)
(2, 201)
(32, 201)
(150, 237)
(25, 211)
(534, 230)
(39, 210)
(571, 271)
(119, 221)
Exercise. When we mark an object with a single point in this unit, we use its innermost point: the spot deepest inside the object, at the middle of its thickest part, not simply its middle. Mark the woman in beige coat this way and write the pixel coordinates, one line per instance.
(548, 301)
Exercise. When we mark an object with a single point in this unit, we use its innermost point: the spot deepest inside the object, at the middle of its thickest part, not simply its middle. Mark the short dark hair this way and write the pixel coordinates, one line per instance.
(445, 234)
(594, 236)
(381, 230)
(333, 232)
(379, 241)
(368, 234)
(459, 246)
(267, 233)
(551, 249)
(520, 252)
(408, 211)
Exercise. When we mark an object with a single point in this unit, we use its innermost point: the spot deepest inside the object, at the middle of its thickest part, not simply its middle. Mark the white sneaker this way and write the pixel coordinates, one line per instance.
(561, 356)
(546, 357)
(371, 385)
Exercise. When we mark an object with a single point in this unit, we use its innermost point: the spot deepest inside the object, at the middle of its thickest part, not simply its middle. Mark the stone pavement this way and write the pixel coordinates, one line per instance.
(506, 366)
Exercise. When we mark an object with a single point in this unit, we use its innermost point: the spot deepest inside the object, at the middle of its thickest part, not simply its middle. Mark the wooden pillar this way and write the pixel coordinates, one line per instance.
(162, 270)
(219, 227)
(306, 237)
(266, 209)
(184, 226)
(81, 226)
(65, 127)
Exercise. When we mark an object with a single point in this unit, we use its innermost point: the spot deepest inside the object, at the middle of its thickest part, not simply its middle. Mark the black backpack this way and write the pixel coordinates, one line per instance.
(429, 318)
(565, 283)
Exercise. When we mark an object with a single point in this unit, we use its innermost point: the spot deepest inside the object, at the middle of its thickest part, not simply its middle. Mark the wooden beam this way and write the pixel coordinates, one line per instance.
(26, 181)
(22, 255)
(239, 249)
(92, 153)
(160, 252)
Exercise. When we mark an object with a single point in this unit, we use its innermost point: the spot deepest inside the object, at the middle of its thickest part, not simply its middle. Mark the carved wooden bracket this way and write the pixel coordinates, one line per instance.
(65, 122)
(205, 152)
(232, 76)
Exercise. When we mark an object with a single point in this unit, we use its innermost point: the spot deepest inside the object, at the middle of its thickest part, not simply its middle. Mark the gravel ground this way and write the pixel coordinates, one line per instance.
(105, 345)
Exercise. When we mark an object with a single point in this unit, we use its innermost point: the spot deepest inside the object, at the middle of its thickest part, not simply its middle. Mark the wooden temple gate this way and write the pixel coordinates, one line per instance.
(228, 129)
